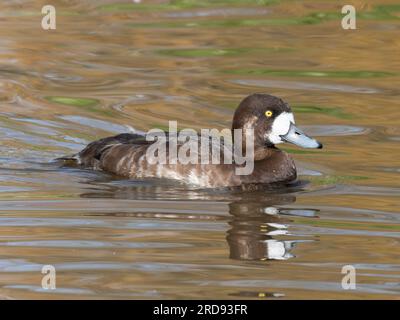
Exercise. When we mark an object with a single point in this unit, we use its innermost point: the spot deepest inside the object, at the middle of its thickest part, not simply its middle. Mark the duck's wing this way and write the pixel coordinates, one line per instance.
(92, 153)
(124, 143)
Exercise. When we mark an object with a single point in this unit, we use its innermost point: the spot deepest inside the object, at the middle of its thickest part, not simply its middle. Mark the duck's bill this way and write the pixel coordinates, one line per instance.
(299, 138)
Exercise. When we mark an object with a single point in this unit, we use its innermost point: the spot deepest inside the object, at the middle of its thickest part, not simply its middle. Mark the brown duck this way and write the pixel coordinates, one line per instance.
(270, 119)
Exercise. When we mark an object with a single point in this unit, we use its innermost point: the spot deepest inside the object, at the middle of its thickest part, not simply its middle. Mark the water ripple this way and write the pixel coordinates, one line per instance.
(305, 86)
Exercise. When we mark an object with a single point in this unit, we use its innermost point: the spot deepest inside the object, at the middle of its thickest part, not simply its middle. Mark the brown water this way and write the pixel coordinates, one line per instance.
(109, 64)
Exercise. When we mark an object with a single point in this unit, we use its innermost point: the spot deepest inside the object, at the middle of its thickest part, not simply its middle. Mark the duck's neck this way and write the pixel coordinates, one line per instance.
(263, 152)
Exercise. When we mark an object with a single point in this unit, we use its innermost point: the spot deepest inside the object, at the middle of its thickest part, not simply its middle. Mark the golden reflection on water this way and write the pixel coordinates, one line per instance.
(107, 66)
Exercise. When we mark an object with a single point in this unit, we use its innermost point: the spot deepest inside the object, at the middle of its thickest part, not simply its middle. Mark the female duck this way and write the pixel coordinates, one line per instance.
(269, 119)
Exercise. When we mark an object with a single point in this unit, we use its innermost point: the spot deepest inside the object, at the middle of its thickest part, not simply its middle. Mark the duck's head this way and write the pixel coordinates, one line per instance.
(272, 121)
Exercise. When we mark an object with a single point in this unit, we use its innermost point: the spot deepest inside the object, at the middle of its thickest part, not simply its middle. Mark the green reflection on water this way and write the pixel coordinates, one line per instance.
(180, 4)
(381, 12)
(77, 102)
(87, 104)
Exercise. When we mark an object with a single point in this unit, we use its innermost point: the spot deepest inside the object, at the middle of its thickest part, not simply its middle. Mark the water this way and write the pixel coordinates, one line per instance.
(110, 65)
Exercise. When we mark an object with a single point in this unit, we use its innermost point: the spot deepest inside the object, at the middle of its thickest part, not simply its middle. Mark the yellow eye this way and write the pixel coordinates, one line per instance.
(268, 113)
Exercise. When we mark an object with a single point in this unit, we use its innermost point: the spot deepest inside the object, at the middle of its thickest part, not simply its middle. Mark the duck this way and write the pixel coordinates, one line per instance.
(268, 118)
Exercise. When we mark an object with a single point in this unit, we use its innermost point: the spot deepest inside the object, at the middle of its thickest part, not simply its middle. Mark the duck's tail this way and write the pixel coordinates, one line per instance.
(68, 161)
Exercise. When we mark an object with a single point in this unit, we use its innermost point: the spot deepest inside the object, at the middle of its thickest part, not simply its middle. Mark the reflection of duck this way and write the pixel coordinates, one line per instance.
(254, 226)
(258, 224)
(269, 117)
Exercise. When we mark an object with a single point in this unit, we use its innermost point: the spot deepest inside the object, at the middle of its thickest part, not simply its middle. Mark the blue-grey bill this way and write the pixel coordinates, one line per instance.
(299, 138)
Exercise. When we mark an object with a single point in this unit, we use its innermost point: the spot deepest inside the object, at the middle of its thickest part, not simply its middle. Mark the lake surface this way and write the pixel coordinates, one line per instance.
(110, 64)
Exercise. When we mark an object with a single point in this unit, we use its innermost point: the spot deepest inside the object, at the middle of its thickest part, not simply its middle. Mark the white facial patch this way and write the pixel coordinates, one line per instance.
(280, 127)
